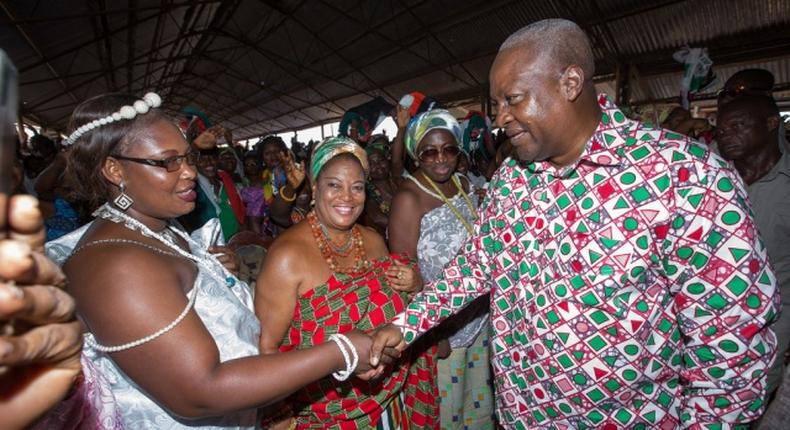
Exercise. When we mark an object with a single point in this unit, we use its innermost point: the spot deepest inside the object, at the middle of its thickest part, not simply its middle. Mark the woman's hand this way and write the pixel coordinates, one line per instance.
(40, 340)
(227, 257)
(404, 278)
(294, 172)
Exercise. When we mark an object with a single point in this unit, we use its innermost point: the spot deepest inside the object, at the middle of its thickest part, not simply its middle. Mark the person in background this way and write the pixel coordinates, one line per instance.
(432, 214)
(629, 286)
(380, 185)
(228, 163)
(758, 82)
(282, 180)
(216, 197)
(327, 275)
(680, 121)
(746, 135)
(41, 339)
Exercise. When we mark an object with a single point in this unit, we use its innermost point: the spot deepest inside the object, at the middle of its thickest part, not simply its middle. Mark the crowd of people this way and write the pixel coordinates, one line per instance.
(576, 269)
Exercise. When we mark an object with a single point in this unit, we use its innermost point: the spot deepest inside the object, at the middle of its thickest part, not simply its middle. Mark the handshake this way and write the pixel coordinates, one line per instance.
(382, 347)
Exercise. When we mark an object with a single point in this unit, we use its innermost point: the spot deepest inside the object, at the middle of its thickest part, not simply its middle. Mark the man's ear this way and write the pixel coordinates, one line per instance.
(572, 82)
(772, 122)
(112, 171)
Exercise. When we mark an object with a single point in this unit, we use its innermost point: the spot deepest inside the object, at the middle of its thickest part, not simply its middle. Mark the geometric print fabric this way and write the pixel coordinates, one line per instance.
(628, 290)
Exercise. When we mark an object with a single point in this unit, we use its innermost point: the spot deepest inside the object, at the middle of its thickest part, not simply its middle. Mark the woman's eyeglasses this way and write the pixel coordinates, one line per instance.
(431, 155)
(171, 164)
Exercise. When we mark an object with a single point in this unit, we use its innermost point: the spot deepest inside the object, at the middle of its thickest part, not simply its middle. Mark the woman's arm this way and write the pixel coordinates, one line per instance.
(181, 369)
(404, 223)
(276, 293)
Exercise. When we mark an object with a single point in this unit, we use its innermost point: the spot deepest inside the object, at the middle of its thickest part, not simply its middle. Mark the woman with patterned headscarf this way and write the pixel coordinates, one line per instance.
(327, 275)
(431, 216)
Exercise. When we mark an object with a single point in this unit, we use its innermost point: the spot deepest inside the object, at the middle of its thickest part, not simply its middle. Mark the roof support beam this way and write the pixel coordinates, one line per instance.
(38, 52)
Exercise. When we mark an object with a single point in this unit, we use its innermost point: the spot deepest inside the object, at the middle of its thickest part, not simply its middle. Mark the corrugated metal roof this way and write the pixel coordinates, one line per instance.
(272, 65)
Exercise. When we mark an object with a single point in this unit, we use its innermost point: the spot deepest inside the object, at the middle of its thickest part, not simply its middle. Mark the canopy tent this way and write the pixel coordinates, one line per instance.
(263, 66)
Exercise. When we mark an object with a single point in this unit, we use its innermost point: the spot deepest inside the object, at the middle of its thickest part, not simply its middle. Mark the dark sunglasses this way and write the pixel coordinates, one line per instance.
(171, 164)
(430, 155)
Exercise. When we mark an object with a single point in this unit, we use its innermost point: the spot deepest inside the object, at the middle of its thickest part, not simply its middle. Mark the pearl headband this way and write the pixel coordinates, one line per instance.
(150, 100)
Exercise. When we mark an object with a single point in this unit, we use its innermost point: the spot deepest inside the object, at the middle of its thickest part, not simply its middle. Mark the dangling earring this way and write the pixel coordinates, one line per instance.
(123, 200)
(416, 163)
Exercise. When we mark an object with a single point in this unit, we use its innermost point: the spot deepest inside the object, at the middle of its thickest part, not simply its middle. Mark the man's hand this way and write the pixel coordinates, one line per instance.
(40, 340)
(384, 338)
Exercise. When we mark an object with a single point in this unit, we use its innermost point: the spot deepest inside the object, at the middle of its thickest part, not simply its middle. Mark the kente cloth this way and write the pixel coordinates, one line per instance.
(330, 148)
(421, 124)
(361, 301)
(629, 289)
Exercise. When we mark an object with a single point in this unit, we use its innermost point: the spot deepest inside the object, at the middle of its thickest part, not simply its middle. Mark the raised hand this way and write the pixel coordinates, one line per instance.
(402, 117)
(294, 172)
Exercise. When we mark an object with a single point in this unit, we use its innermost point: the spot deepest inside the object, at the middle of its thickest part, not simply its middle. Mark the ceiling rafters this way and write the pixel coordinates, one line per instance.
(97, 76)
(51, 19)
(191, 19)
(433, 35)
(339, 54)
(38, 52)
(271, 65)
(276, 59)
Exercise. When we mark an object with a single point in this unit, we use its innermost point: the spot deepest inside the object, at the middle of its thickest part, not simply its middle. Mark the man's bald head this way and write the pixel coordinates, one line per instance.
(751, 79)
(746, 82)
(559, 40)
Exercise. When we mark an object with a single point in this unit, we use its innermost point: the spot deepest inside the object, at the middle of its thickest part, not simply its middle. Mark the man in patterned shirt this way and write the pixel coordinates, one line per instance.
(629, 287)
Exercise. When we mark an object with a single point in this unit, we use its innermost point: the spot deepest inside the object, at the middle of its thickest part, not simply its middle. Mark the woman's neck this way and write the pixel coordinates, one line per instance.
(447, 187)
(155, 224)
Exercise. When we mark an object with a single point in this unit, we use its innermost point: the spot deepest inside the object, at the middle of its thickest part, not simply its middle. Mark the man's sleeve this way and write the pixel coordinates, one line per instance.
(464, 278)
(726, 297)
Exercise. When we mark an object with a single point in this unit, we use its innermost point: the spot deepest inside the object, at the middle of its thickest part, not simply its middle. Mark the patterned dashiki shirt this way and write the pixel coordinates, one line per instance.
(628, 290)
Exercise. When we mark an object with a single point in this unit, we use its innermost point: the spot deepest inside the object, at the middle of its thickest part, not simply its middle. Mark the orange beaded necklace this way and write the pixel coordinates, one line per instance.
(328, 249)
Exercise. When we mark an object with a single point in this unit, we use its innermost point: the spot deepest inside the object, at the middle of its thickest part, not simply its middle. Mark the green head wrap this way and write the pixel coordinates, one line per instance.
(330, 148)
(421, 124)
(378, 143)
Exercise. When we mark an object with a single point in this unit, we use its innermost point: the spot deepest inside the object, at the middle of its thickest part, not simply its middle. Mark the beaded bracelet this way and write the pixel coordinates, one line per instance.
(351, 362)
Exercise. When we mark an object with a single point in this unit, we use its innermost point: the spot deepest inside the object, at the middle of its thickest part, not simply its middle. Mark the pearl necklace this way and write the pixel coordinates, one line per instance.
(111, 214)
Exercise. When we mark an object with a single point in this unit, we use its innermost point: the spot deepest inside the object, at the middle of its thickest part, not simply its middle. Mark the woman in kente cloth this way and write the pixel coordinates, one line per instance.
(432, 215)
(328, 274)
(171, 338)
